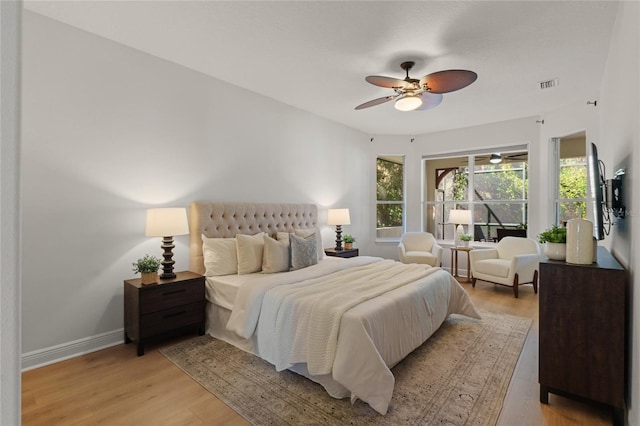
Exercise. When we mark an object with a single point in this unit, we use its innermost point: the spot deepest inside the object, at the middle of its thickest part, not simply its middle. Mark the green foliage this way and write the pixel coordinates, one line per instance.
(555, 234)
(146, 264)
(466, 237)
(460, 184)
(348, 238)
(573, 184)
(389, 187)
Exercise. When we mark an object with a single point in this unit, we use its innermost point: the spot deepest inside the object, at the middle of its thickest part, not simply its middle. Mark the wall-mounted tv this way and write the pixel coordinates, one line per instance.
(596, 183)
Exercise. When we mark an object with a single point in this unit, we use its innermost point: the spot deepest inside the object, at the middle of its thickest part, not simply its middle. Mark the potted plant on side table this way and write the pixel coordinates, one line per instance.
(148, 267)
(348, 241)
(555, 242)
(465, 239)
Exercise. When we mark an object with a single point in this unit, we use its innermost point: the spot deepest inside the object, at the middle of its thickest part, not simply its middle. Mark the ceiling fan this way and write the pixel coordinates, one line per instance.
(417, 95)
(497, 157)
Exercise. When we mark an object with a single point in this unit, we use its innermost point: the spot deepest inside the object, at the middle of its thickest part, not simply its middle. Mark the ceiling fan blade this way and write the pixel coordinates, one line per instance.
(376, 102)
(448, 80)
(387, 82)
(429, 100)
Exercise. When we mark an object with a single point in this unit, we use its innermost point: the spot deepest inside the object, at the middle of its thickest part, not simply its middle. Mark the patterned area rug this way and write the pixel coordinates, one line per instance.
(458, 377)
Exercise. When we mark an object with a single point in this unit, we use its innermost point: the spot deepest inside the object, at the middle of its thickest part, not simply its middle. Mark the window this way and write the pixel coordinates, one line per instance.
(571, 189)
(495, 192)
(389, 197)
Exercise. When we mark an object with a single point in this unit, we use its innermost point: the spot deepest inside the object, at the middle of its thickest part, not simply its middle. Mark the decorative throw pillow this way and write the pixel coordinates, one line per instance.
(282, 236)
(303, 251)
(250, 249)
(304, 233)
(276, 255)
(220, 256)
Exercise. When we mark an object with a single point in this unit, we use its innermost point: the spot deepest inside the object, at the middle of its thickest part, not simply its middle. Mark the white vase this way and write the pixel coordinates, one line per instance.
(464, 243)
(579, 242)
(555, 251)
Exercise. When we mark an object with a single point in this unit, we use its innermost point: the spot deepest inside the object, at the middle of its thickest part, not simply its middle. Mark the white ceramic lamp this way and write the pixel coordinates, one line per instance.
(460, 218)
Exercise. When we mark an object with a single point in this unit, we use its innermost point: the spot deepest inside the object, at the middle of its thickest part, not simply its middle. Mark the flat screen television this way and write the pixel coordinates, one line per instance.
(596, 182)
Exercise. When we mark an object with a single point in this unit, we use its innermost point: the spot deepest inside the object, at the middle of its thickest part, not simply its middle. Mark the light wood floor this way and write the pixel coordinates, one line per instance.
(115, 387)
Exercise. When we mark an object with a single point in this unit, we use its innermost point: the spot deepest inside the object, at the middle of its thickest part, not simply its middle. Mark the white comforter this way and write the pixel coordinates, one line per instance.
(351, 320)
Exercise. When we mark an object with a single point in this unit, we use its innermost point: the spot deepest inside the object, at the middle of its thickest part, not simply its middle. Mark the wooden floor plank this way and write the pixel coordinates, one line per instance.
(114, 386)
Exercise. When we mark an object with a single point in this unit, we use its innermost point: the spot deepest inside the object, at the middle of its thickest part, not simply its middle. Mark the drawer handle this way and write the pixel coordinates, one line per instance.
(169, 293)
(176, 314)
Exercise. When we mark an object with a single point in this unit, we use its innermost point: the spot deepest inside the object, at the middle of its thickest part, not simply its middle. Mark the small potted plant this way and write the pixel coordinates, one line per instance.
(148, 268)
(555, 241)
(464, 240)
(348, 241)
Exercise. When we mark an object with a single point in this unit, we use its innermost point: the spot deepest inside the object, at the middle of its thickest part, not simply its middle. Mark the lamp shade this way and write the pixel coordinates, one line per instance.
(338, 217)
(164, 222)
(460, 217)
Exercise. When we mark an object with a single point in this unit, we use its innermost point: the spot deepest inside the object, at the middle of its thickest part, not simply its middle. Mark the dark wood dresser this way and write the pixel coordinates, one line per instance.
(168, 306)
(583, 317)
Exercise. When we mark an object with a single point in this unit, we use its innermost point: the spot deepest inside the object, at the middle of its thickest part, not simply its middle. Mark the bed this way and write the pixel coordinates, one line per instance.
(343, 323)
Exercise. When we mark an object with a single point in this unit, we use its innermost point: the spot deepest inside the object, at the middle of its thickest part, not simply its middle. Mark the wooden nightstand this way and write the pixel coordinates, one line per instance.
(155, 309)
(341, 253)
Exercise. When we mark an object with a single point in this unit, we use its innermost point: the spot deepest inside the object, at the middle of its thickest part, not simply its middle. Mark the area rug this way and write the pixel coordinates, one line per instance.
(458, 377)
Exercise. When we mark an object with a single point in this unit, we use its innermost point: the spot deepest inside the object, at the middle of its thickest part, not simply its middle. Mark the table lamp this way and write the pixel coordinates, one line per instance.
(166, 223)
(338, 217)
(460, 218)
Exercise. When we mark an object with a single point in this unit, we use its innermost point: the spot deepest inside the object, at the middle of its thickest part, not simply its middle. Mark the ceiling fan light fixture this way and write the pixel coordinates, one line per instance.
(408, 103)
(495, 158)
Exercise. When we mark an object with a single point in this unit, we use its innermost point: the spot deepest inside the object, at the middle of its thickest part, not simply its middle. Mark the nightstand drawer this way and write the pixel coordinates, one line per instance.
(167, 296)
(170, 319)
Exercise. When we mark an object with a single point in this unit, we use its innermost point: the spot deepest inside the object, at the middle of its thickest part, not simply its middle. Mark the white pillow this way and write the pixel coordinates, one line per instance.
(276, 255)
(250, 249)
(220, 256)
(303, 252)
(304, 233)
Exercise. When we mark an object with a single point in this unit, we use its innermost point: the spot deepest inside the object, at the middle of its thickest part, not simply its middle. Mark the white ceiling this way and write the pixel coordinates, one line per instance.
(314, 55)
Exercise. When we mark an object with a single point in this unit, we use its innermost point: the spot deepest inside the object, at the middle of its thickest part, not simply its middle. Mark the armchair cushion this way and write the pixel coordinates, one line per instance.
(420, 257)
(495, 267)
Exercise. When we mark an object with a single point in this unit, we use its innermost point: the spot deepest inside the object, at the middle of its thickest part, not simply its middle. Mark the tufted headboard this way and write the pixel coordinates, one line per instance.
(225, 220)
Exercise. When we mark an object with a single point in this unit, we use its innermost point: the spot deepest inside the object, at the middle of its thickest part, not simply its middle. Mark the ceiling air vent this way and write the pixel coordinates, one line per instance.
(548, 84)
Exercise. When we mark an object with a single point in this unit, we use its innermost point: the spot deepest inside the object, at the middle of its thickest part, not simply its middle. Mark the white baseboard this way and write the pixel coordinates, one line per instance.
(42, 357)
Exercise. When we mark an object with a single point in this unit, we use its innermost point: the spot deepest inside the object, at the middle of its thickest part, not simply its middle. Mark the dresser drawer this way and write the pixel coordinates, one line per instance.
(171, 319)
(166, 296)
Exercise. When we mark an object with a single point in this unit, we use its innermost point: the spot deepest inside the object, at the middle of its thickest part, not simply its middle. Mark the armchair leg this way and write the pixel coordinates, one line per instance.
(535, 282)
(473, 282)
(515, 286)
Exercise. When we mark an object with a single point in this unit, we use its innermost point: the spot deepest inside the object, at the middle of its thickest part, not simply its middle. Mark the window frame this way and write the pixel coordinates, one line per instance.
(471, 202)
(557, 201)
(403, 203)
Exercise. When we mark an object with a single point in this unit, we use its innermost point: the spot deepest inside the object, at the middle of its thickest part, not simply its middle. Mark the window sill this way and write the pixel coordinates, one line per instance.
(472, 244)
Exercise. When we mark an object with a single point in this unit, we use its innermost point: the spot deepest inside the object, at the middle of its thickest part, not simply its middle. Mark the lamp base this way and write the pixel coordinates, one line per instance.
(338, 238)
(168, 262)
(459, 233)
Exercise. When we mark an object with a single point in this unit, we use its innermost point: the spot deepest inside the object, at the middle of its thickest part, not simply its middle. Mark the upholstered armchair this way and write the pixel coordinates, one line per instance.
(512, 263)
(419, 247)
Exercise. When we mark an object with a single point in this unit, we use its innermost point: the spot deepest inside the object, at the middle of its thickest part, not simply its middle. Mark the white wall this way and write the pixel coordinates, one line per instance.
(109, 131)
(619, 113)
(10, 13)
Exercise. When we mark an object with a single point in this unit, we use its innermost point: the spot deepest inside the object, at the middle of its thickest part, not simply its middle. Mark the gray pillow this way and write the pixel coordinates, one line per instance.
(304, 251)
